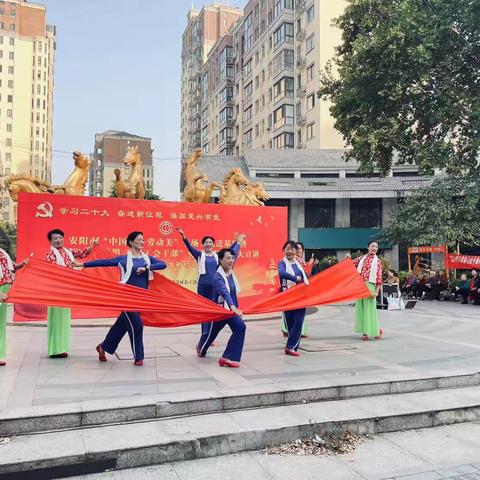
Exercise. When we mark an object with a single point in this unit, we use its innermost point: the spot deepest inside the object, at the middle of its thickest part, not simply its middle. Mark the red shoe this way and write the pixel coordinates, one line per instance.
(365, 338)
(2, 363)
(285, 334)
(138, 363)
(101, 353)
(380, 333)
(224, 362)
(292, 353)
(60, 355)
(199, 353)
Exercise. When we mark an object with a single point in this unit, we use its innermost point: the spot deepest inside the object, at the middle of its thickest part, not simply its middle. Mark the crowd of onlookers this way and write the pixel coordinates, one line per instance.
(437, 286)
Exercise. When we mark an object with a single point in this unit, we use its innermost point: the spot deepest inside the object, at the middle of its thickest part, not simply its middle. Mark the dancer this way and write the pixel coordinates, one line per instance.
(60, 318)
(136, 268)
(225, 291)
(291, 272)
(369, 267)
(207, 261)
(307, 268)
(7, 276)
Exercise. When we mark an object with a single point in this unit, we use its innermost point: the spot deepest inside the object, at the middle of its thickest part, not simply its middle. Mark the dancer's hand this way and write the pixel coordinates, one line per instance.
(3, 296)
(141, 270)
(236, 311)
(299, 279)
(25, 262)
(181, 232)
(374, 294)
(241, 238)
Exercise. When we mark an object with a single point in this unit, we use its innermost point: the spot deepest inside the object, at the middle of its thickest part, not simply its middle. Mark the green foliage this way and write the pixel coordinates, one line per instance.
(445, 212)
(326, 262)
(407, 84)
(402, 276)
(8, 238)
(149, 195)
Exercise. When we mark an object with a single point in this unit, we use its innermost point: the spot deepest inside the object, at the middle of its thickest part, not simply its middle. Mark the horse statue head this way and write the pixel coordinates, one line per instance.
(132, 157)
(258, 190)
(81, 161)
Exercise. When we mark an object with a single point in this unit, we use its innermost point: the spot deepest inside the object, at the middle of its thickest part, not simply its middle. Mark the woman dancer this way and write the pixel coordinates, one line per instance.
(7, 276)
(307, 268)
(136, 268)
(225, 291)
(369, 267)
(291, 272)
(207, 260)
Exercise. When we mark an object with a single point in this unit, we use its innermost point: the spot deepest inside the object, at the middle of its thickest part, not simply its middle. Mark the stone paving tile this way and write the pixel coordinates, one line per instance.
(414, 346)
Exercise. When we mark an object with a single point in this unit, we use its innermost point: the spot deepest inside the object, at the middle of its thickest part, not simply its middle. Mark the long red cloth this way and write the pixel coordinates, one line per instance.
(167, 304)
(339, 283)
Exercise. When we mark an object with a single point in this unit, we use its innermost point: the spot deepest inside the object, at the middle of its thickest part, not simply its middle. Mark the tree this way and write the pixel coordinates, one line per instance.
(149, 195)
(8, 238)
(408, 84)
(445, 212)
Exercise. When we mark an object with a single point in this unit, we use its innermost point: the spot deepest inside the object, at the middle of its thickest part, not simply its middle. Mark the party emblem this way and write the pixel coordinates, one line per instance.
(44, 210)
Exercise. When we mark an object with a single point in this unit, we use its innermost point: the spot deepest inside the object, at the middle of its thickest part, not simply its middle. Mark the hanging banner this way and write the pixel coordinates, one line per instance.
(462, 261)
(109, 220)
(428, 249)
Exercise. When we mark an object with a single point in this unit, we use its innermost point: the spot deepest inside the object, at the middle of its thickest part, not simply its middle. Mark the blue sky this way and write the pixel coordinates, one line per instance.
(118, 67)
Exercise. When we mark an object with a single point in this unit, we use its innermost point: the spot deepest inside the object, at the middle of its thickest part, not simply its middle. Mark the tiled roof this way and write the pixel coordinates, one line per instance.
(118, 133)
(303, 158)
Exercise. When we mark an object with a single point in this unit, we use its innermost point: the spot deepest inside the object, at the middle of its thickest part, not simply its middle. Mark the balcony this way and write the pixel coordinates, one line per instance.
(300, 34)
(227, 122)
(299, 7)
(301, 91)
(228, 102)
(301, 120)
(301, 62)
(230, 59)
(228, 142)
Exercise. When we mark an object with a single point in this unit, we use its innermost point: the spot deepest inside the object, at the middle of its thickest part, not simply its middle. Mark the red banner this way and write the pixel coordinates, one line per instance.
(462, 261)
(428, 249)
(85, 219)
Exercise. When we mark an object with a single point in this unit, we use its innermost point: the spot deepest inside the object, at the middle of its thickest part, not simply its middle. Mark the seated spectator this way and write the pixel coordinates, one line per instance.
(392, 278)
(463, 288)
(411, 284)
(440, 284)
(475, 287)
(316, 266)
(429, 288)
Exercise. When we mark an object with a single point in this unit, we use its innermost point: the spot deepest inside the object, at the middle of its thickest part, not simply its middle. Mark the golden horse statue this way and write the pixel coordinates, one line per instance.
(132, 187)
(255, 194)
(231, 190)
(74, 185)
(195, 189)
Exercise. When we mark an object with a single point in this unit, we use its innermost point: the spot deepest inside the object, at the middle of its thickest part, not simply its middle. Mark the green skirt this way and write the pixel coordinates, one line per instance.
(3, 322)
(366, 320)
(58, 330)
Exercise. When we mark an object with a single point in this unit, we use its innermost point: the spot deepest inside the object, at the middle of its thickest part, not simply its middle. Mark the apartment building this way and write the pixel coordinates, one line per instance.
(204, 28)
(110, 149)
(27, 59)
(260, 80)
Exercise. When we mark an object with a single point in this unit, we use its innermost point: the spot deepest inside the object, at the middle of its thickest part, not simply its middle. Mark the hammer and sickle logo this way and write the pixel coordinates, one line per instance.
(44, 210)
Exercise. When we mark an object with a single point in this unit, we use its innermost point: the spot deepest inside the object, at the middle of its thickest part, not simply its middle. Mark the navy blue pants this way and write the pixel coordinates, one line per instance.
(233, 350)
(207, 292)
(126, 322)
(294, 321)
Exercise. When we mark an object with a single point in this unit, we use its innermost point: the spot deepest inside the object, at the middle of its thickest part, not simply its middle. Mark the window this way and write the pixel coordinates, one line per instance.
(311, 101)
(12, 13)
(9, 113)
(11, 41)
(10, 69)
(8, 142)
(226, 114)
(282, 61)
(310, 14)
(247, 91)
(310, 131)
(283, 88)
(10, 84)
(283, 116)
(284, 140)
(247, 68)
(283, 34)
(11, 27)
(310, 72)
(247, 33)
(309, 43)
(226, 95)
(9, 98)
(274, 175)
(226, 134)
(9, 127)
(366, 213)
(247, 138)
(248, 113)
(319, 213)
(280, 5)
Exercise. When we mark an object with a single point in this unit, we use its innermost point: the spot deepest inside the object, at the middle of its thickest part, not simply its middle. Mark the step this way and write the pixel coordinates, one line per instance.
(199, 436)
(118, 410)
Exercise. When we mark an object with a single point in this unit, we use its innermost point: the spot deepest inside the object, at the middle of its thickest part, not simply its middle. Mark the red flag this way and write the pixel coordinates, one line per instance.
(339, 283)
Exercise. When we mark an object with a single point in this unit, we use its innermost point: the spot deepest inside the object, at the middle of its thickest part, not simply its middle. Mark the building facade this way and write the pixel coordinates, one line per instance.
(259, 82)
(109, 151)
(204, 28)
(27, 59)
(332, 208)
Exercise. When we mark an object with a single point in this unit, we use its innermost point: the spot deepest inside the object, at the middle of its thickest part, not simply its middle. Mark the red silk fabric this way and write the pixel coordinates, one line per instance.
(167, 304)
(338, 283)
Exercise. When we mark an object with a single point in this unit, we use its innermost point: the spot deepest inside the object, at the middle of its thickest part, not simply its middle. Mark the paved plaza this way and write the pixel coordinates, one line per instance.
(434, 339)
